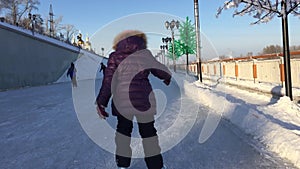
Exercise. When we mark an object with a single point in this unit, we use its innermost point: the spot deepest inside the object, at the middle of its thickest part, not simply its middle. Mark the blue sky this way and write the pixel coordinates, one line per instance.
(227, 35)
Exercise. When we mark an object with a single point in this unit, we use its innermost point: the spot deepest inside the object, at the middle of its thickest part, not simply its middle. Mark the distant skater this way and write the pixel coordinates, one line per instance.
(72, 73)
(103, 67)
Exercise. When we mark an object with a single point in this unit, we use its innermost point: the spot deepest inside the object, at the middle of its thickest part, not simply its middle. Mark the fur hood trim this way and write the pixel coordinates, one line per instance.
(128, 33)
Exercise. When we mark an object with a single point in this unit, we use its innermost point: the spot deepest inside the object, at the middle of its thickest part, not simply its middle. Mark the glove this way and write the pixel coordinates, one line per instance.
(167, 81)
(101, 112)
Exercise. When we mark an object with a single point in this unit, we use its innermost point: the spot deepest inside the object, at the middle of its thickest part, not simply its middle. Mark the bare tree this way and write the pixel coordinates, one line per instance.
(28, 6)
(69, 31)
(10, 8)
(272, 49)
(47, 26)
(57, 25)
(263, 11)
(15, 9)
(60, 30)
(2, 5)
(293, 48)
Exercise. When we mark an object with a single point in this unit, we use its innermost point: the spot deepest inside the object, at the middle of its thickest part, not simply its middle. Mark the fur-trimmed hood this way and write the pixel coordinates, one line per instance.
(130, 39)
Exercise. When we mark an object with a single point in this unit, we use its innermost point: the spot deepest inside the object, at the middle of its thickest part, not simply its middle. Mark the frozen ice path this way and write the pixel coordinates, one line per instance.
(39, 129)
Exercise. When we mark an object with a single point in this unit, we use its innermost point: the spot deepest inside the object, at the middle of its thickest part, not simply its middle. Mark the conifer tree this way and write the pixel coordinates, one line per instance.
(187, 39)
(186, 44)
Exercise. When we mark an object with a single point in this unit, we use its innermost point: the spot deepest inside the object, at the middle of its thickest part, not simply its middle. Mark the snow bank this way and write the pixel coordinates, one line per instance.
(275, 124)
(269, 88)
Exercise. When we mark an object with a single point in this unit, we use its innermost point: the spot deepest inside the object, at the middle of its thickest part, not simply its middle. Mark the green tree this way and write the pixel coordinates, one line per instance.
(186, 44)
(177, 50)
(187, 39)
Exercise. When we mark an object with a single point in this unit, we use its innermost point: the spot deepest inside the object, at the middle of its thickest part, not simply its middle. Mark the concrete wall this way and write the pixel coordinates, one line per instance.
(28, 59)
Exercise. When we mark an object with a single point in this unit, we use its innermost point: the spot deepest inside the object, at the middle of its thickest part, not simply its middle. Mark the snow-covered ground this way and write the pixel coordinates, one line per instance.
(40, 128)
(201, 126)
(273, 121)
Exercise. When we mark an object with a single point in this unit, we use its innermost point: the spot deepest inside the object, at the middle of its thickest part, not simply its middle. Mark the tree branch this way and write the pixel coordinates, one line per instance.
(294, 7)
(295, 13)
(276, 5)
(260, 6)
(270, 4)
(261, 19)
(245, 10)
(221, 9)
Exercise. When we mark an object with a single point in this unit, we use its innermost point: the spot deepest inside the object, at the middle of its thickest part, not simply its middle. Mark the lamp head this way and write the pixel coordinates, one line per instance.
(177, 24)
(167, 24)
(172, 25)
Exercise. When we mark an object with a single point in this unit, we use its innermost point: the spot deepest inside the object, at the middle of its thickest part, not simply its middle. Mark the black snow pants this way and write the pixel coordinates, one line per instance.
(152, 150)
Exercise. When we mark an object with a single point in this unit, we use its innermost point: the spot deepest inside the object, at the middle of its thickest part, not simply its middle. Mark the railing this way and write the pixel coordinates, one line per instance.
(267, 68)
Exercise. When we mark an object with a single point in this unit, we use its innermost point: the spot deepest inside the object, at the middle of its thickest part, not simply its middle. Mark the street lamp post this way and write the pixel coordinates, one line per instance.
(32, 19)
(172, 26)
(166, 40)
(163, 48)
(162, 53)
(102, 49)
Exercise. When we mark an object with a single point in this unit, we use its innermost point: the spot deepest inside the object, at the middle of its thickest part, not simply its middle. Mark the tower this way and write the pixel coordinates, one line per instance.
(87, 43)
(51, 21)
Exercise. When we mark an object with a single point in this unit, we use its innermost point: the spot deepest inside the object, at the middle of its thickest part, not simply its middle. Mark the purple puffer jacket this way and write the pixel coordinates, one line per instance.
(126, 78)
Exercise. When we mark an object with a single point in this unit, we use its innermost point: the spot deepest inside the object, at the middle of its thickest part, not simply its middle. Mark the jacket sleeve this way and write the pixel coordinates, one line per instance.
(105, 90)
(162, 72)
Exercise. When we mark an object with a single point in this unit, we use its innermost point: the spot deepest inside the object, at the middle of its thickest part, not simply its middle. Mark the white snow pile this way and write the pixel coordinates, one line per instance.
(275, 123)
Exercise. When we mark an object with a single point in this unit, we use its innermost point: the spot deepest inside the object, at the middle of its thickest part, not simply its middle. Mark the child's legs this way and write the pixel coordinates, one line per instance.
(122, 139)
(151, 146)
(74, 82)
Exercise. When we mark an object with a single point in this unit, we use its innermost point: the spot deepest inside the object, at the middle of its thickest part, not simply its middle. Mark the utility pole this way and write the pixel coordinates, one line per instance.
(286, 52)
(197, 25)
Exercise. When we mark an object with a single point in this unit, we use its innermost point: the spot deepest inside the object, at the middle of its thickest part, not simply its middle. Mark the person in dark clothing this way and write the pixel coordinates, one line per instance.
(103, 67)
(126, 79)
(72, 73)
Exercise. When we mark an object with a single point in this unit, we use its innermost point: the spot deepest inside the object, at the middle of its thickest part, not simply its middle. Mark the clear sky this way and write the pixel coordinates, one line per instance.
(227, 35)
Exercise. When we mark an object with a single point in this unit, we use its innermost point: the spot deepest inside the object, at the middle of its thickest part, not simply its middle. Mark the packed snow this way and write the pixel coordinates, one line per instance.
(271, 120)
